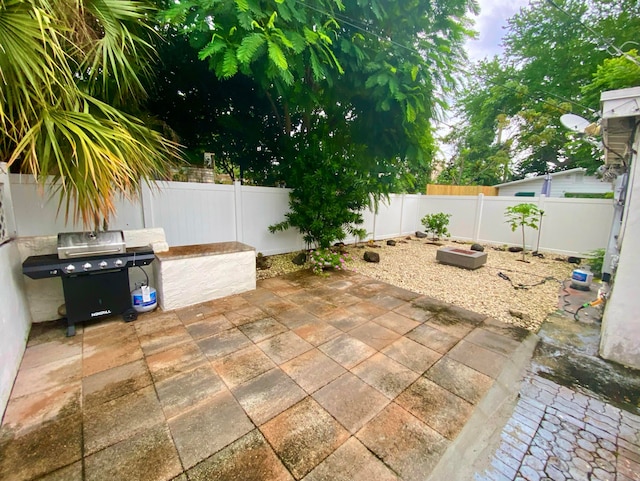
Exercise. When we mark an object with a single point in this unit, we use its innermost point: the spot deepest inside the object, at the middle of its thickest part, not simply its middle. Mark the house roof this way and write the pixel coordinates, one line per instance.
(554, 174)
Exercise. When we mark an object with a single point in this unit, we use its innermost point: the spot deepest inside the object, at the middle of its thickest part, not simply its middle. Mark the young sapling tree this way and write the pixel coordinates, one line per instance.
(523, 215)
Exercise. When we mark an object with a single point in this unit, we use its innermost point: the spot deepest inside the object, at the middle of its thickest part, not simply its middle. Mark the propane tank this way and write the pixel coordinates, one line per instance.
(581, 279)
(143, 298)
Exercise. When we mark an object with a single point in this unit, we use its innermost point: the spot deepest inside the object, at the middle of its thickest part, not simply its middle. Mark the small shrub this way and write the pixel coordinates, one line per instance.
(322, 259)
(596, 261)
(436, 224)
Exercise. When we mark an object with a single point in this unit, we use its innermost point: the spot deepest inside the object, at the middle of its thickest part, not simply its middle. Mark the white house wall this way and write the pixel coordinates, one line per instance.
(621, 321)
(575, 182)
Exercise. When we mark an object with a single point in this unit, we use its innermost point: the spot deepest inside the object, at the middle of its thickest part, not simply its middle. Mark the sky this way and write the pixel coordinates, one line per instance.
(490, 25)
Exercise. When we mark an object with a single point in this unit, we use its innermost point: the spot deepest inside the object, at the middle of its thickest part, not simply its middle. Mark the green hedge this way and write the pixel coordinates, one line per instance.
(589, 195)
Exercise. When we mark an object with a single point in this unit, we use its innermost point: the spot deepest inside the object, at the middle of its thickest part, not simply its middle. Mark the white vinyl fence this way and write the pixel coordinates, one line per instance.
(192, 213)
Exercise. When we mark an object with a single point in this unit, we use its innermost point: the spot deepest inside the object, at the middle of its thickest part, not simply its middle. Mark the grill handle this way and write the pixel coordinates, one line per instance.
(92, 253)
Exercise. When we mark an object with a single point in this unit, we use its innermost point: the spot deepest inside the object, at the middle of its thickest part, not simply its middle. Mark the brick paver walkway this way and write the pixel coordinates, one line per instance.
(558, 434)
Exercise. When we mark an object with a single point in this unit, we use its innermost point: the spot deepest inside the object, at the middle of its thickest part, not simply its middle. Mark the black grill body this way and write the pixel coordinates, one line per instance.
(94, 287)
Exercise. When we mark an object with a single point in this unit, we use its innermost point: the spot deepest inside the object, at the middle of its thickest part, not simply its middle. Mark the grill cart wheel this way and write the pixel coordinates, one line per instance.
(129, 315)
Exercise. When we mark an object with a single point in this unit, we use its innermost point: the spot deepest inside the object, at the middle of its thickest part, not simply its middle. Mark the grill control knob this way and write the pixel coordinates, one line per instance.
(118, 263)
(86, 266)
(103, 264)
(70, 268)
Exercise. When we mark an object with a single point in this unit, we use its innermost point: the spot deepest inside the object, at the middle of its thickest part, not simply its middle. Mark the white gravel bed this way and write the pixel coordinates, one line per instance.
(411, 264)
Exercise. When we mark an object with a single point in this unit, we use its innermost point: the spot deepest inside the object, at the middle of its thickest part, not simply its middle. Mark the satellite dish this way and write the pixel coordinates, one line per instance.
(574, 122)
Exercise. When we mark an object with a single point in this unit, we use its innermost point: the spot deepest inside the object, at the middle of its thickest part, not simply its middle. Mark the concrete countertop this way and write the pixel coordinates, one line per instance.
(199, 250)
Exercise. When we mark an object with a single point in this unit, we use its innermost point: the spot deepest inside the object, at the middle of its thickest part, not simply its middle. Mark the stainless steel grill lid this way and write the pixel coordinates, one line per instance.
(87, 244)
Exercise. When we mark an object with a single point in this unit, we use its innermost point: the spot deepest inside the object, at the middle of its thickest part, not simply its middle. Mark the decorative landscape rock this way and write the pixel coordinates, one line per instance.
(262, 262)
(477, 247)
(391, 242)
(520, 315)
(574, 260)
(300, 259)
(461, 257)
(370, 256)
(515, 249)
(420, 235)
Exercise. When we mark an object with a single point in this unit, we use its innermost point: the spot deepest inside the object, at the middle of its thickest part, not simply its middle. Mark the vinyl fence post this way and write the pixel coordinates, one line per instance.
(401, 213)
(146, 199)
(10, 227)
(237, 191)
(478, 218)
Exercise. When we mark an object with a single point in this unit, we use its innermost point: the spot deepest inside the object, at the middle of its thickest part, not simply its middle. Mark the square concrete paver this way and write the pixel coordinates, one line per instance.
(396, 322)
(31, 411)
(113, 383)
(37, 452)
(495, 342)
(226, 342)
(347, 350)
(354, 409)
(296, 317)
(160, 340)
(481, 359)
(283, 347)
(209, 326)
(184, 391)
(109, 350)
(46, 376)
(208, 428)
(412, 354)
(346, 320)
(263, 329)
(303, 436)
(385, 374)
(245, 315)
(443, 411)
(54, 350)
(469, 384)
(404, 443)
(148, 456)
(367, 310)
(116, 420)
(414, 312)
(351, 462)
(243, 365)
(249, 458)
(316, 378)
(312, 370)
(267, 395)
(175, 360)
(433, 338)
(317, 333)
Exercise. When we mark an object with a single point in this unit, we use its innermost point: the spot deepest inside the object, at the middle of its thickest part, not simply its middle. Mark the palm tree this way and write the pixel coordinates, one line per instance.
(71, 74)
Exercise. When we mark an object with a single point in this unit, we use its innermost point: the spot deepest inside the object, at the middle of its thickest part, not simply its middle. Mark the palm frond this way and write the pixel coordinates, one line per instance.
(53, 119)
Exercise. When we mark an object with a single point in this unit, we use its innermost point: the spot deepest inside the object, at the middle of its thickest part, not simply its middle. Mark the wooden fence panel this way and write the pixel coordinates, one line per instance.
(439, 189)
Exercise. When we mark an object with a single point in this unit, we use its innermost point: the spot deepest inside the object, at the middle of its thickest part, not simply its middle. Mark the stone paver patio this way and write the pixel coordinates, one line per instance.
(339, 378)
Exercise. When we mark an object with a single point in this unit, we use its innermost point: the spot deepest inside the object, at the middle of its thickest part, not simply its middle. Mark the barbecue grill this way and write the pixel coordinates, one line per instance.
(94, 271)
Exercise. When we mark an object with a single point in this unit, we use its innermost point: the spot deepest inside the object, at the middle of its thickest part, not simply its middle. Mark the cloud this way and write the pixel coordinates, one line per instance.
(491, 25)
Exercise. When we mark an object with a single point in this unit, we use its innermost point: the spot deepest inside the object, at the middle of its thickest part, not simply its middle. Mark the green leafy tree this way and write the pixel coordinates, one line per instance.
(614, 73)
(376, 69)
(72, 75)
(553, 50)
(523, 215)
